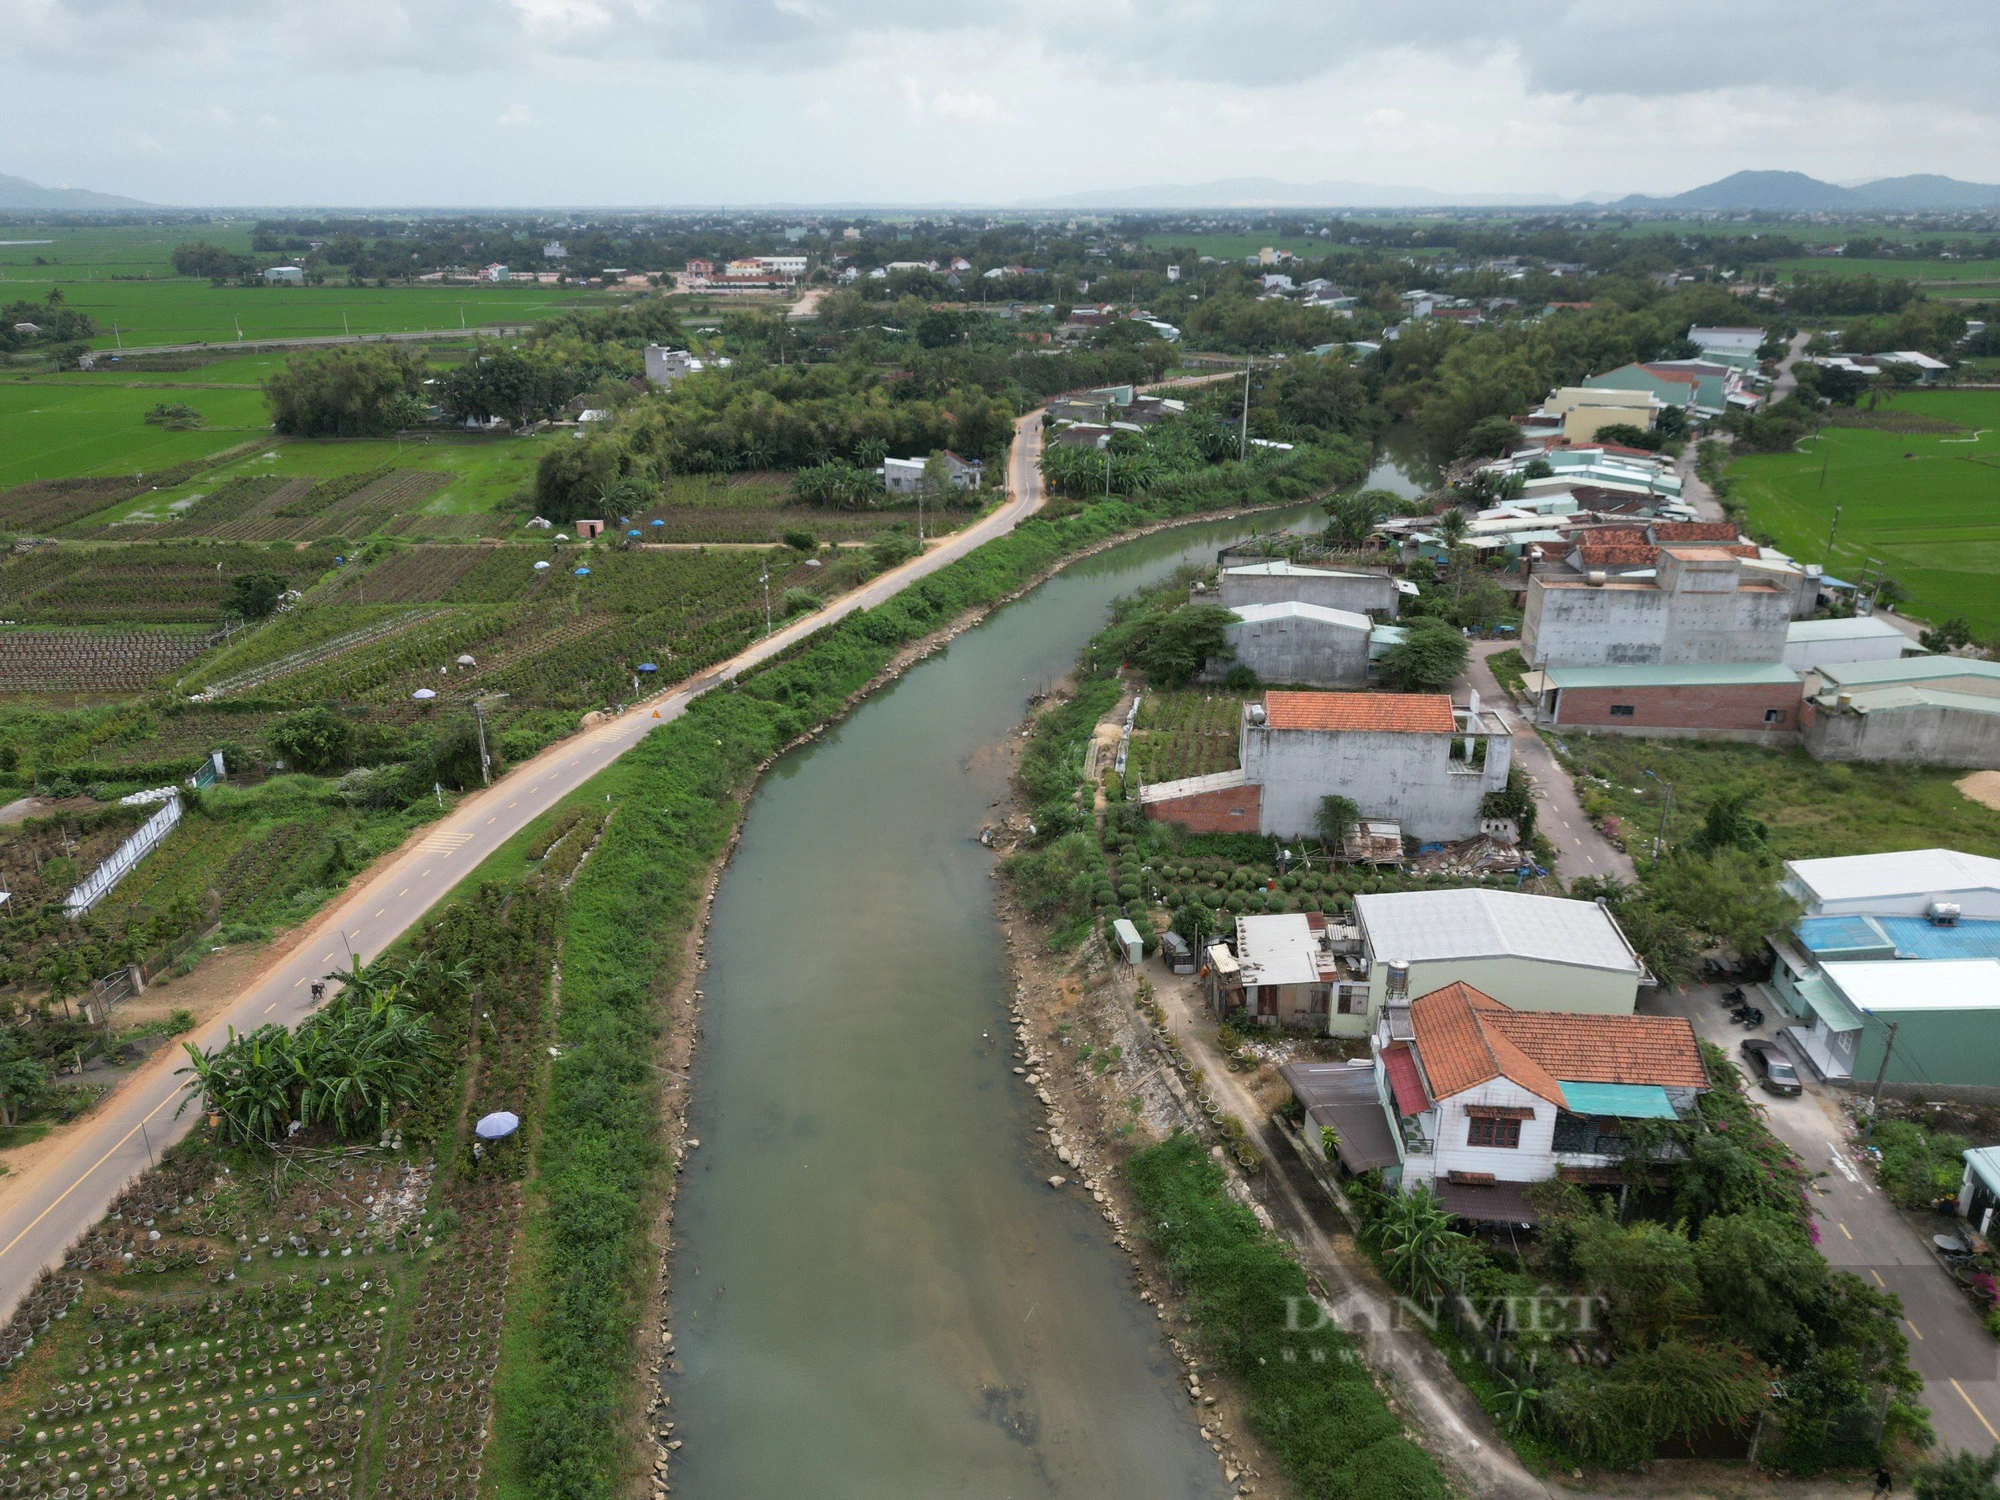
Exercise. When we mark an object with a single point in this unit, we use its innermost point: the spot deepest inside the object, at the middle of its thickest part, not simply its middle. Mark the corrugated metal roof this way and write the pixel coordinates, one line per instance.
(1908, 669)
(1941, 984)
(1899, 873)
(1294, 609)
(1425, 926)
(1859, 628)
(1692, 674)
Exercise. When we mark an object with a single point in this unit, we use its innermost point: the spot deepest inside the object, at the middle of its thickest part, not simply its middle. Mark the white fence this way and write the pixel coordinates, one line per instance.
(100, 880)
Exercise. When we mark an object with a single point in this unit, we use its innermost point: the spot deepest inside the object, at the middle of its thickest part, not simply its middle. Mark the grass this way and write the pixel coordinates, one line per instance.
(1892, 270)
(242, 369)
(52, 432)
(107, 249)
(1812, 808)
(484, 471)
(1927, 505)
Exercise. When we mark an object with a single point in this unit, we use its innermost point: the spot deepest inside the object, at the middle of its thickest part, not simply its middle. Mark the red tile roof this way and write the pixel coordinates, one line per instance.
(1606, 535)
(1616, 554)
(1367, 713)
(1465, 1038)
(1695, 531)
(1663, 372)
(1400, 1063)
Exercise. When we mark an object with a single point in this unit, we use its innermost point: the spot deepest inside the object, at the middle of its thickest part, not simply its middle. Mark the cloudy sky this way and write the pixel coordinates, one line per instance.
(606, 102)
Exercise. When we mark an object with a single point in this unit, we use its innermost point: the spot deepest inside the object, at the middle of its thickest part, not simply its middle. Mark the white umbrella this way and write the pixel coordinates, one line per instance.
(423, 695)
(466, 661)
(541, 567)
(497, 1126)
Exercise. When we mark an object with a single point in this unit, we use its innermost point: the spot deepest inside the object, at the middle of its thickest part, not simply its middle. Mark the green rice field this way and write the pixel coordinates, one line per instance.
(52, 431)
(1926, 504)
(1974, 272)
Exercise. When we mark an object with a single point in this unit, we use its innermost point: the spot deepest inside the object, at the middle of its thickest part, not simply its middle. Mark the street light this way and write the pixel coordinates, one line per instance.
(1666, 802)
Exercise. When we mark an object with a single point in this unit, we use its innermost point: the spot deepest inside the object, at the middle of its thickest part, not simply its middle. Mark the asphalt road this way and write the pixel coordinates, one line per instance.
(1861, 1231)
(45, 1209)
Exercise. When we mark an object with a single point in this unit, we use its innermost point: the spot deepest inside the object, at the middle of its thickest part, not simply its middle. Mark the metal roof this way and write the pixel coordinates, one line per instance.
(1899, 873)
(1425, 926)
(1347, 1100)
(1291, 570)
(1621, 1101)
(1908, 669)
(1941, 984)
(1692, 674)
(1985, 1164)
(1294, 609)
(1859, 628)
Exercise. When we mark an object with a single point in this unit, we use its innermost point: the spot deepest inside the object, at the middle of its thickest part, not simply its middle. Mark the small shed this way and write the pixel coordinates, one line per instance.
(585, 530)
(1179, 956)
(1979, 1193)
(1125, 938)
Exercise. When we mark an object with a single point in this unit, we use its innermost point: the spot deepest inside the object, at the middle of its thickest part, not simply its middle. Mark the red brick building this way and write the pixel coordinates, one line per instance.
(1758, 701)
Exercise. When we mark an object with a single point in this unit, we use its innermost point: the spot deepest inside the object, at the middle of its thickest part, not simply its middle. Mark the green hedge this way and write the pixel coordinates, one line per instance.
(565, 1393)
(1306, 1394)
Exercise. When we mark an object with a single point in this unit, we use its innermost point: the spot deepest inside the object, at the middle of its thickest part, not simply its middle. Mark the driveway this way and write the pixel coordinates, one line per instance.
(1697, 494)
(1862, 1232)
(1580, 848)
(46, 1208)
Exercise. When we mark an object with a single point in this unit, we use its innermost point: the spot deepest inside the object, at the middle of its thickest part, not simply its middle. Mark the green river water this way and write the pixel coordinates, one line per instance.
(875, 1291)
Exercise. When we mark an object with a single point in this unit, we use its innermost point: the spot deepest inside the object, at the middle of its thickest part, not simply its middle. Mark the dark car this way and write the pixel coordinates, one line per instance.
(1773, 1069)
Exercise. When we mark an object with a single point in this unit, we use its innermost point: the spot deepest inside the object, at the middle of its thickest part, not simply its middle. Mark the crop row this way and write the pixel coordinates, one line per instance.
(156, 583)
(49, 503)
(87, 661)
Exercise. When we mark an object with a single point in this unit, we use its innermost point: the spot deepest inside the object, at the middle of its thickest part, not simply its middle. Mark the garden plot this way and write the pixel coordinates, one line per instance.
(1184, 734)
(167, 583)
(51, 503)
(94, 662)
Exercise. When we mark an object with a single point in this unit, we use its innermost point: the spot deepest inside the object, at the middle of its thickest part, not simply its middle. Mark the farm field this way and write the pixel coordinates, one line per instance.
(1926, 504)
(110, 249)
(50, 431)
(1983, 272)
(1188, 733)
(250, 370)
(479, 473)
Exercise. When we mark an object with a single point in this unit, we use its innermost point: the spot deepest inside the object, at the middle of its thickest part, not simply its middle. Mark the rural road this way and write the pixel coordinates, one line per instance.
(1862, 1232)
(46, 1208)
(253, 346)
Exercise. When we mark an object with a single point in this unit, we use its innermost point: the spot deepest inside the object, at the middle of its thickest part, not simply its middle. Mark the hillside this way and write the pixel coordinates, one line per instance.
(19, 193)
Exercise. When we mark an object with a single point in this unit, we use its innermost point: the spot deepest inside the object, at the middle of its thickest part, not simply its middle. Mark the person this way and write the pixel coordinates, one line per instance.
(1883, 1483)
(318, 992)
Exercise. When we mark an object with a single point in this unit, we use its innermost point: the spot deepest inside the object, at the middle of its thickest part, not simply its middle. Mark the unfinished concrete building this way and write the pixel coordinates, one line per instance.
(1303, 644)
(1356, 591)
(1703, 604)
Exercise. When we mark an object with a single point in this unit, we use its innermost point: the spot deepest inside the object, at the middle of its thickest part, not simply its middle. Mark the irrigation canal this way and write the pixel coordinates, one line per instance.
(875, 1291)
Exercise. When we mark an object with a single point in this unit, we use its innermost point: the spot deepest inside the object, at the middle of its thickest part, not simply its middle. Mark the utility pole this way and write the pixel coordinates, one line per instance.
(1833, 531)
(1875, 1099)
(1243, 437)
(765, 579)
(485, 761)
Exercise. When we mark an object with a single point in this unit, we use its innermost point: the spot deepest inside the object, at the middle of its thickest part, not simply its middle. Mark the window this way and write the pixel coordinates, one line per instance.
(1622, 710)
(1353, 999)
(1483, 1130)
(1774, 716)
(1316, 998)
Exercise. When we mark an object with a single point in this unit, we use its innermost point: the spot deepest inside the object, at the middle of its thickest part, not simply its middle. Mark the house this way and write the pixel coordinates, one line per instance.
(1979, 1190)
(1920, 710)
(1737, 346)
(1926, 1025)
(1810, 644)
(1413, 758)
(1698, 387)
(1304, 644)
(1533, 952)
(495, 273)
(1902, 883)
(289, 275)
(1584, 413)
(555, 250)
(905, 476)
(664, 366)
(1291, 970)
(1360, 592)
(1929, 371)
(1077, 409)
(1756, 702)
(1489, 1099)
(1276, 282)
(1705, 603)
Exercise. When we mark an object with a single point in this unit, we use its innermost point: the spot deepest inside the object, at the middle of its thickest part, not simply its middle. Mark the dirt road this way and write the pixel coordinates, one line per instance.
(44, 1209)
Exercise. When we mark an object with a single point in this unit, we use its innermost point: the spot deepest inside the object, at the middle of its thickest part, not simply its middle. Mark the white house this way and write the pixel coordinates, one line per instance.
(1299, 643)
(1488, 1099)
(905, 476)
(1904, 883)
(291, 275)
(1280, 582)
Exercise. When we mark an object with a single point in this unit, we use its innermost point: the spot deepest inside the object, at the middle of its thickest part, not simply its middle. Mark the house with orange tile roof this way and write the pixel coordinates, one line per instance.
(1415, 759)
(1485, 1099)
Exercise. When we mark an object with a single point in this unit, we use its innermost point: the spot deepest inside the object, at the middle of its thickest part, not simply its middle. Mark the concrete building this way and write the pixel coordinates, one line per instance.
(1705, 604)
(1921, 710)
(1757, 702)
(1411, 758)
(1945, 1014)
(1584, 412)
(1292, 970)
(1301, 644)
(1901, 883)
(1737, 346)
(905, 476)
(290, 275)
(664, 366)
(1536, 953)
(1810, 644)
(1357, 592)
(1489, 1099)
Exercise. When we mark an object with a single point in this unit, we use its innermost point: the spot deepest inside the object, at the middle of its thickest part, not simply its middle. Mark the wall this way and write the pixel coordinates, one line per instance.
(1939, 1048)
(1532, 1161)
(1921, 735)
(1227, 810)
(1362, 593)
(1734, 706)
(1572, 624)
(1523, 983)
(1805, 656)
(1399, 776)
(1306, 651)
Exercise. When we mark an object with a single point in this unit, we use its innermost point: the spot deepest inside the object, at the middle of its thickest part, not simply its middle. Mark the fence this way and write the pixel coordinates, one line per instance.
(100, 881)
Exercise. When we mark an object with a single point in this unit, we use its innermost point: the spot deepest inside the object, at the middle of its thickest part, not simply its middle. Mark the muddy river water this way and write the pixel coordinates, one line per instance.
(876, 1293)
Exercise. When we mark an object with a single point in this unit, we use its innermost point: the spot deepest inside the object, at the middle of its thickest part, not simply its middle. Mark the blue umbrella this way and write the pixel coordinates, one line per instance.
(633, 532)
(659, 523)
(646, 666)
(583, 572)
(497, 1126)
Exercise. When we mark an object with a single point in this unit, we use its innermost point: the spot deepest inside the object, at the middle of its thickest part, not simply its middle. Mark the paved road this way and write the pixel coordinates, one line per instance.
(1862, 1232)
(253, 346)
(42, 1211)
(1580, 848)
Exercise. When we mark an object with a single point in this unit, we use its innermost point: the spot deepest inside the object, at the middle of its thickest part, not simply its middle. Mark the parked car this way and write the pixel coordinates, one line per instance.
(1773, 1069)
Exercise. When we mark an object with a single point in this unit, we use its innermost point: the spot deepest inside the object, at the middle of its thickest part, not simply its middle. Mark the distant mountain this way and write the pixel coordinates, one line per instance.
(18, 192)
(1269, 192)
(1795, 192)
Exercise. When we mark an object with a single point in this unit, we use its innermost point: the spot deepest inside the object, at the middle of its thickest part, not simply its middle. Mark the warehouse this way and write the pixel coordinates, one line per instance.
(1925, 1026)
(1922, 711)
(1304, 644)
(1364, 593)
(1753, 701)
(1810, 644)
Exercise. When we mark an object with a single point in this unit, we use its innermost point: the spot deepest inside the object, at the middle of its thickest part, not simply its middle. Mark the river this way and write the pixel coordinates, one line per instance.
(876, 1292)
(1402, 464)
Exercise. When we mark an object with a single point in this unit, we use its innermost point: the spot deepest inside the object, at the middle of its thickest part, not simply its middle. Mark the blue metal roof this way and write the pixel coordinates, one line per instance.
(1985, 1164)
(1850, 936)
(1828, 938)
(1621, 1101)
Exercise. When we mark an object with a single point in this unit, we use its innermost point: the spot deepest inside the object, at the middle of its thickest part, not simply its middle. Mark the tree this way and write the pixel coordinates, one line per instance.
(1428, 658)
(1352, 519)
(1727, 824)
(1761, 1278)
(1489, 437)
(347, 392)
(1946, 637)
(200, 258)
(1336, 819)
(63, 975)
(1627, 435)
(253, 596)
(1959, 1476)
(314, 739)
(1420, 1250)
(571, 476)
(1730, 893)
(1172, 646)
(1645, 1272)
(23, 1079)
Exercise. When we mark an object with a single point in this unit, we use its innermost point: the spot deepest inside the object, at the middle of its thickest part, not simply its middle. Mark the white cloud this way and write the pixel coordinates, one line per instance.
(515, 114)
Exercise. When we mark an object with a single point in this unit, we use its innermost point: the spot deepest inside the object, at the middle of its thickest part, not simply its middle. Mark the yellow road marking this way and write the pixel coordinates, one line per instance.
(1954, 1385)
(1844, 1229)
(1914, 1329)
(1878, 1277)
(112, 1151)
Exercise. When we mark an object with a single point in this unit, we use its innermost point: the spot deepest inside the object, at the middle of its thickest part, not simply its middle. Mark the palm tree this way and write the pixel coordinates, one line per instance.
(1451, 529)
(1419, 1246)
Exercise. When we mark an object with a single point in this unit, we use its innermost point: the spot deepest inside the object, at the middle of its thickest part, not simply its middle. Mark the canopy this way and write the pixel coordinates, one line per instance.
(541, 567)
(423, 695)
(583, 572)
(646, 666)
(1619, 1101)
(633, 532)
(466, 661)
(658, 523)
(497, 1126)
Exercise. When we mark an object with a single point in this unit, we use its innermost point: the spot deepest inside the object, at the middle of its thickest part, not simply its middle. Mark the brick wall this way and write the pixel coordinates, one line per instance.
(1737, 706)
(1232, 810)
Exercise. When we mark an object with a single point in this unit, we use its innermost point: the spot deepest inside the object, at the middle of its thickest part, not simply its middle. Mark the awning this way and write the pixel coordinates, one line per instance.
(1619, 1101)
(1344, 1100)
(1405, 1083)
(1487, 1203)
(1534, 682)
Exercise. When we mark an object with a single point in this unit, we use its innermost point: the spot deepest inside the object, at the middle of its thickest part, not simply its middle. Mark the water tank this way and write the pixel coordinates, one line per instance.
(1844, 698)
(1942, 913)
(1255, 713)
(1399, 979)
(1595, 578)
